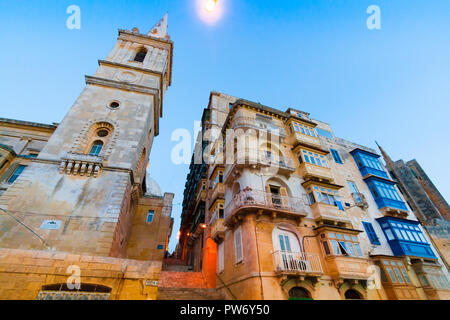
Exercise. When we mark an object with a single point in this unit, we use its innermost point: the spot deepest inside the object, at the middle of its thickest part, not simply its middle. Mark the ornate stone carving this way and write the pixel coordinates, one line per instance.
(81, 164)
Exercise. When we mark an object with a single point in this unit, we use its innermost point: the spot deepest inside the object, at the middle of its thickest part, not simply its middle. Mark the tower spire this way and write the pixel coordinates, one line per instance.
(386, 157)
(160, 29)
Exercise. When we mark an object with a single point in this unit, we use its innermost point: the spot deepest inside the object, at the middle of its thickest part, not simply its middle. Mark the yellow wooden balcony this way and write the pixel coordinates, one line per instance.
(311, 170)
(306, 140)
(217, 227)
(218, 192)
(346, 267)
(326, 212)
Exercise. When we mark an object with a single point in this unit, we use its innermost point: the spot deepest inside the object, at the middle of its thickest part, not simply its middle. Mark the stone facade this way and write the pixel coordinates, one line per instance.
(425, 200)
(266, 233)
(76, 193)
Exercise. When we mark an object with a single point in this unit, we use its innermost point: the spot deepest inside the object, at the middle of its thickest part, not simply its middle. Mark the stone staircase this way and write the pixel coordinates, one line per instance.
(185, 285)
(188, 294)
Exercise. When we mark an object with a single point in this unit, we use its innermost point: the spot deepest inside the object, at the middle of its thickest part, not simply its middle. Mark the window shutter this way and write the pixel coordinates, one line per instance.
(284, 199)
(238, 244)
(371, 233)
(336, 156)
(268, 197)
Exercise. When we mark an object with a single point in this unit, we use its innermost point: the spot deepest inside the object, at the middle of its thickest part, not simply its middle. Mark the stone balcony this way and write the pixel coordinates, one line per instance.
(264, 202)
(252, 123)
(257, 160)
(297, 263)
(81, 164)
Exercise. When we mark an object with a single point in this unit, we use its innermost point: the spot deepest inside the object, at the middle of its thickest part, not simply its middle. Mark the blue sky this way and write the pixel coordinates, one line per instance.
(391, 85)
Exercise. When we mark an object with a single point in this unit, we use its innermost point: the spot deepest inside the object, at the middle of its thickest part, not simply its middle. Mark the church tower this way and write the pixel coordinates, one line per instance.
(81, 192)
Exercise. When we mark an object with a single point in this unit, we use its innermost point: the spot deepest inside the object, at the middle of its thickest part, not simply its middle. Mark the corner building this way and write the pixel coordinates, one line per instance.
(300, 214)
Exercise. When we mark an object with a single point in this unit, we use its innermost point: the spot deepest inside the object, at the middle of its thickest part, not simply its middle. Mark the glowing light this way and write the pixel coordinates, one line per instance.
(210, 11)
(203, 226)
(210, 5)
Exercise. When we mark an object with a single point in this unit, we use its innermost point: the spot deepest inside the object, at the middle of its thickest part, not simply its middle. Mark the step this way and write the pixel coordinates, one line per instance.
(188, 294)
(174, 279)
(179, 268)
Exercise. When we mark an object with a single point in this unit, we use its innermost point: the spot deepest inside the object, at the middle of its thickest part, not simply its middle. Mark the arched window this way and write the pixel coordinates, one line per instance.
(96, 148)
(352, 294)
(140, 55)
(299, 293)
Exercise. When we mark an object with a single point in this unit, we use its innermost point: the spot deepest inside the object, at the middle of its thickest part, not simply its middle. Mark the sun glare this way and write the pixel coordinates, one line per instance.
(210, 11)
(210, 5)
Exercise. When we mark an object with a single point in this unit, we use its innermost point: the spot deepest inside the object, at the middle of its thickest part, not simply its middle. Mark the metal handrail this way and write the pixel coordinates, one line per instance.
(297, 262)
(264, 199)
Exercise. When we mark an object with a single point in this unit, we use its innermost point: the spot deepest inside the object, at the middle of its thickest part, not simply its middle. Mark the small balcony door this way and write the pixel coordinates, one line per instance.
(289, 247)
(276, 195)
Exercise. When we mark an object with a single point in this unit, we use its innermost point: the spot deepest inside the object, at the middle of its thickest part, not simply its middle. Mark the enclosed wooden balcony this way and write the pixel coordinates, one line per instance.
(297, 263)
(347, 267)
(304, 139)
(308, 170)
(218, 192)
(264, 202)
(327, 213)
(217, 227)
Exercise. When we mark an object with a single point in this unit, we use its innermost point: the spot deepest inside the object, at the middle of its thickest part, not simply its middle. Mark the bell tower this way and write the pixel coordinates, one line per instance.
(87, 179)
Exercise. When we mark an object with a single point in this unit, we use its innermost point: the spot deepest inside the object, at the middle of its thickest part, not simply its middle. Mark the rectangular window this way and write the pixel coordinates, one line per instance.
(150, 215)
(337, 158)
(221, 257)
(238, 244)
(16, 173)
(371, 233)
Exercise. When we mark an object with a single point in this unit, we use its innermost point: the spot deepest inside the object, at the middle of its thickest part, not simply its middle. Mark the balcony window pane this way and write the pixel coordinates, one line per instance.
(358, 249)
(349, 247)
(343, 248)
(391, 275)
(405, 275)
(389, 234)
(399, 276)
(16, 173)
(335, 246)
(424, 280)
(422, 238)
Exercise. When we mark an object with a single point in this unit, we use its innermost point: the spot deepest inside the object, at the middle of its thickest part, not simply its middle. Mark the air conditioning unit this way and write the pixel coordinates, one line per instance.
(360, 200)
